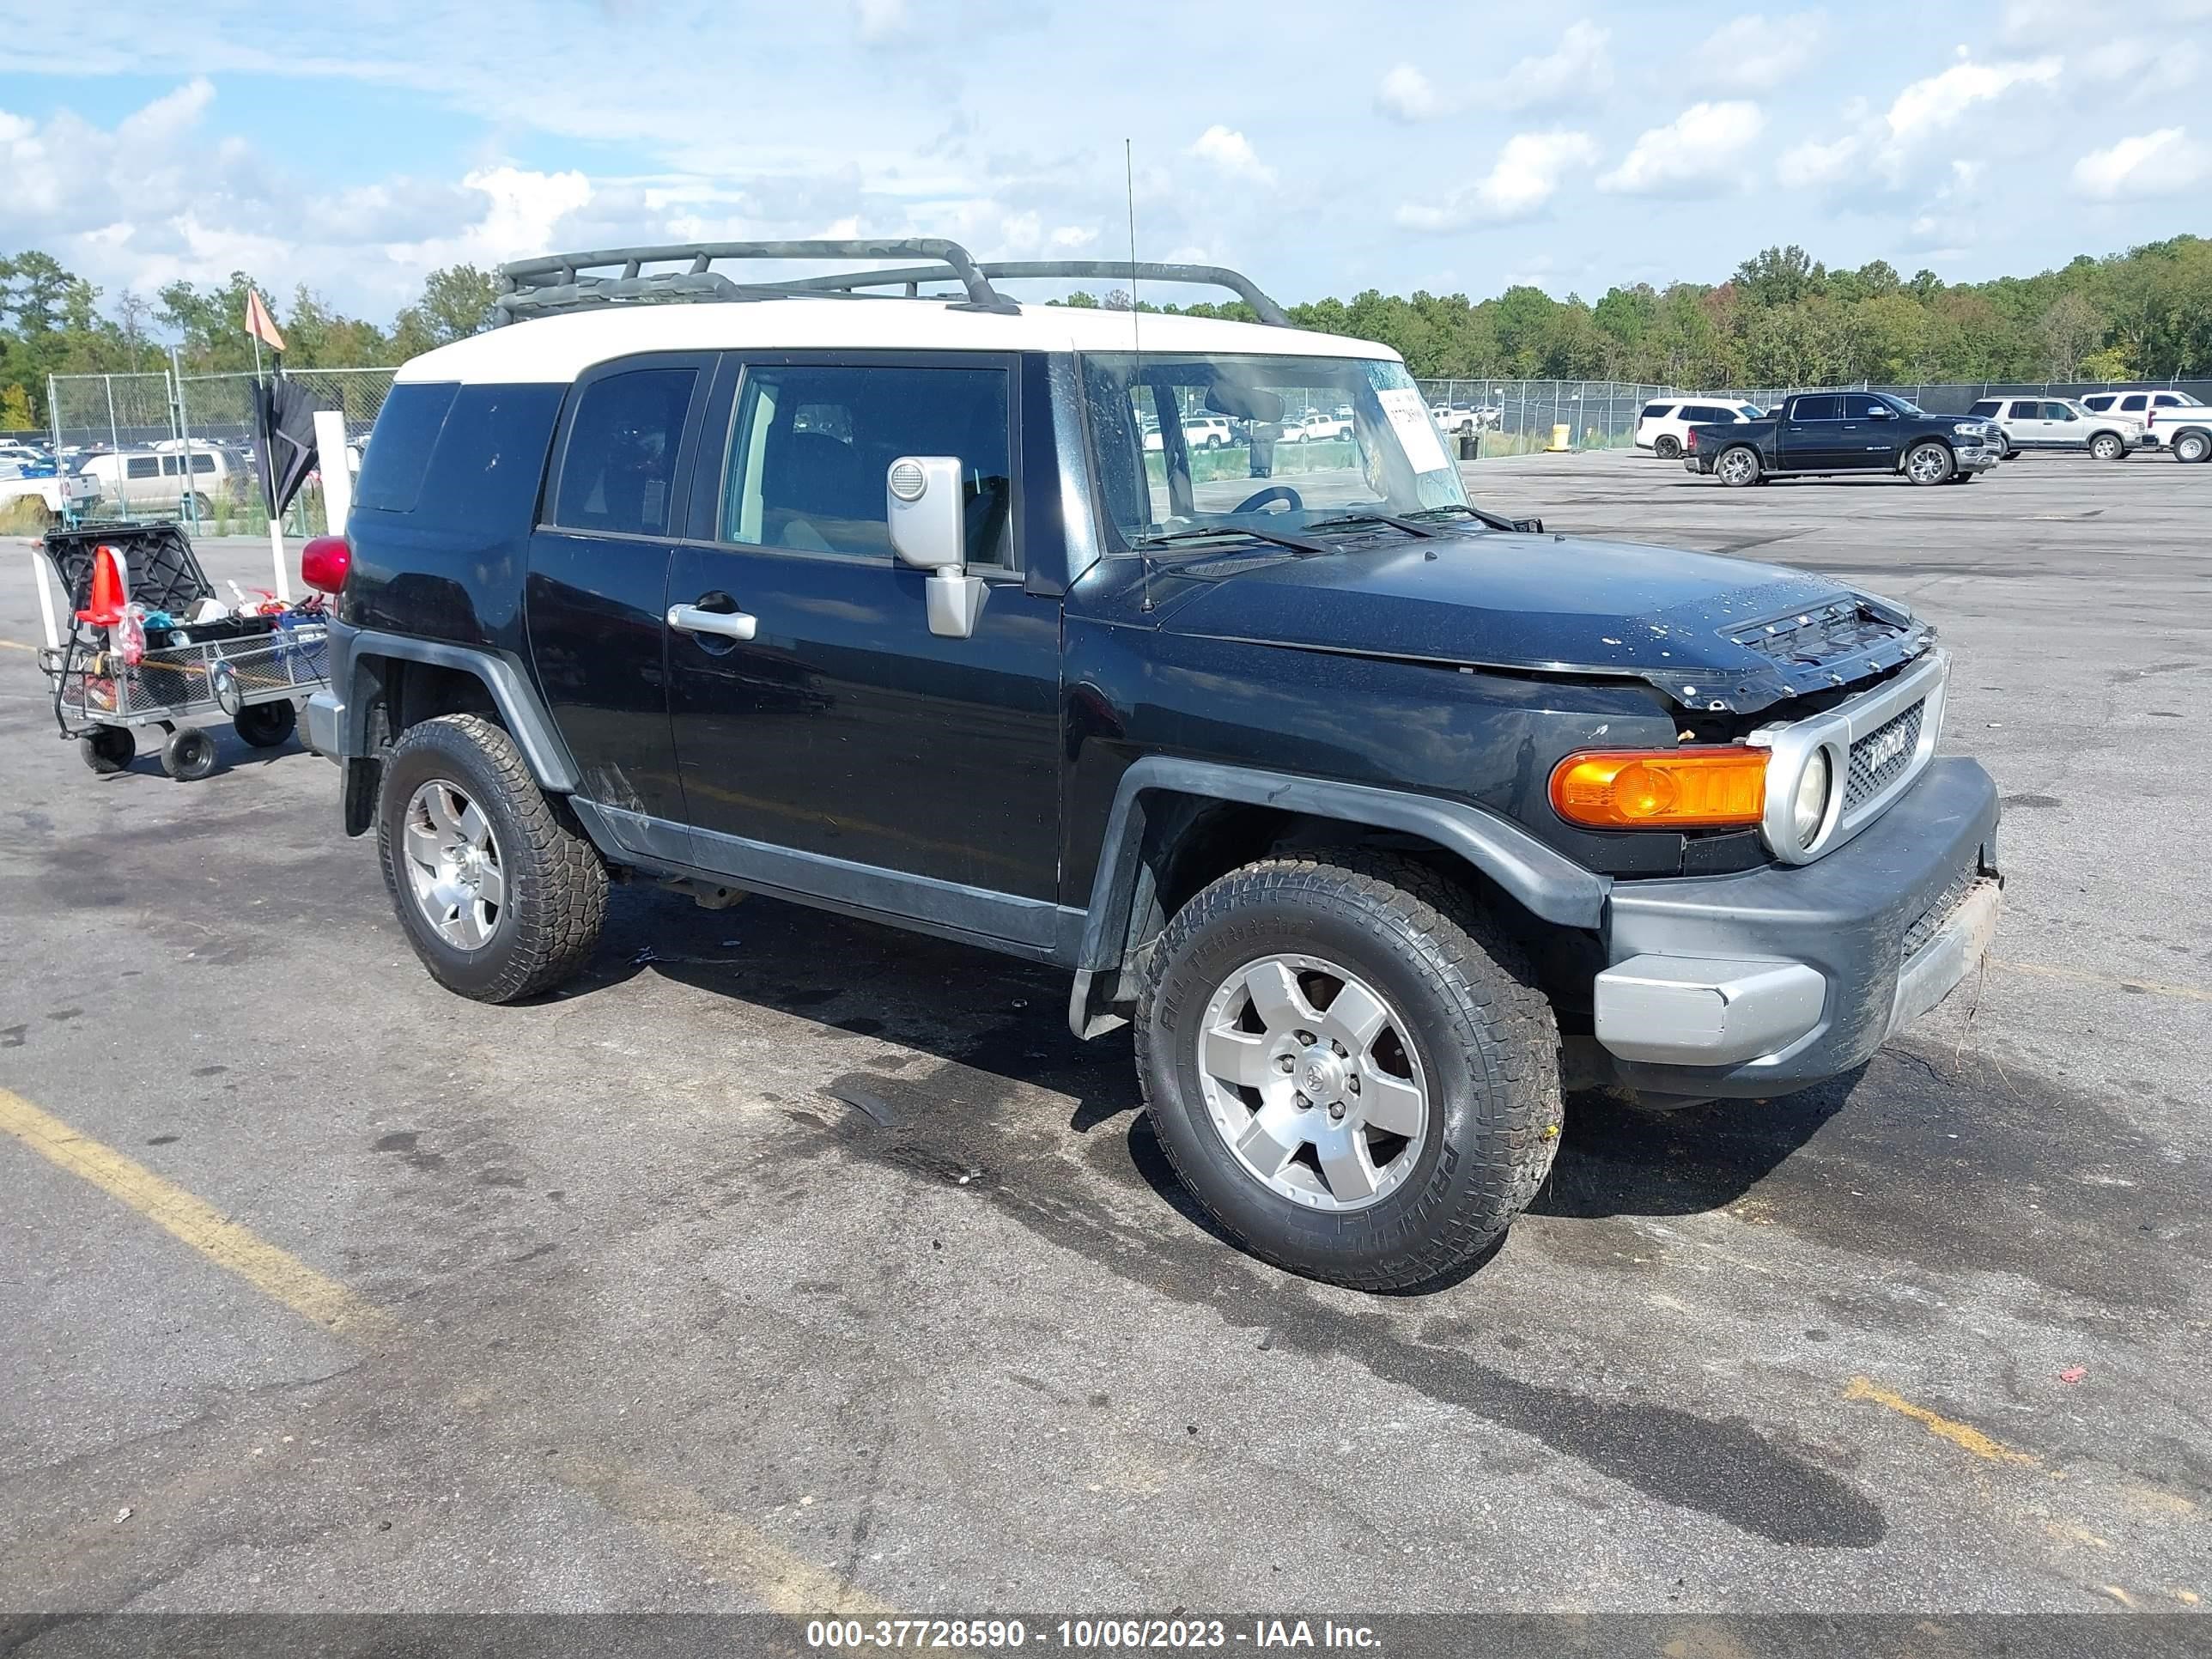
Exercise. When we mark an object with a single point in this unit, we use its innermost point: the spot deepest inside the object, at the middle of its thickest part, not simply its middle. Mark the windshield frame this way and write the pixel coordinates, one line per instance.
(1113, 542)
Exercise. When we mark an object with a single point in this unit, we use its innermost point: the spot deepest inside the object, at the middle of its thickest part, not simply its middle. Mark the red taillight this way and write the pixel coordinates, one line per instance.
(1690, 439)
(323, 561)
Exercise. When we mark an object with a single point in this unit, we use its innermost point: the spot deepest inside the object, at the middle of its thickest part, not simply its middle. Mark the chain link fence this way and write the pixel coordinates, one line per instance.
(141, 436)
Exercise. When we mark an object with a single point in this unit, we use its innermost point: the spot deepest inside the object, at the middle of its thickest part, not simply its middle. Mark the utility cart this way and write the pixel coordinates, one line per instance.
(146, 643)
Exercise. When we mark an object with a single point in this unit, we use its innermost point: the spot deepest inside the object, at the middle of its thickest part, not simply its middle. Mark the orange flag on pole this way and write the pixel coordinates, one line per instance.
(259, 323)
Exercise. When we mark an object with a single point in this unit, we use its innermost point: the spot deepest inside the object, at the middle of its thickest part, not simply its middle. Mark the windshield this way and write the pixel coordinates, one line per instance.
(1184, 444)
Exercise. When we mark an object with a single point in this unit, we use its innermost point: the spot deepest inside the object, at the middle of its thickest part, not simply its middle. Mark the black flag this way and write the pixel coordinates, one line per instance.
(287, 442)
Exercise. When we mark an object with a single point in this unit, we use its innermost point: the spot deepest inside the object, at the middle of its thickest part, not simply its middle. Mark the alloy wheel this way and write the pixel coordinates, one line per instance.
(1309, 1078)
(453, 866)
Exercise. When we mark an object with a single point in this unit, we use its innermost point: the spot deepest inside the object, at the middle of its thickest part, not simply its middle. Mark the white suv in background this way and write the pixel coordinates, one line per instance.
(2134, 407)
(2058, 423)
(1661, 426)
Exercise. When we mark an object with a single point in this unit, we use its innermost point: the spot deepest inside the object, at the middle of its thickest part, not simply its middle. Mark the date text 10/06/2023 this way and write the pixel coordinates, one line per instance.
(1088, 1635)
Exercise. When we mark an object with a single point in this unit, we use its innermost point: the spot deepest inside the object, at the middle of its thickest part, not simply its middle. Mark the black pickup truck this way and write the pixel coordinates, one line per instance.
(1818, 433)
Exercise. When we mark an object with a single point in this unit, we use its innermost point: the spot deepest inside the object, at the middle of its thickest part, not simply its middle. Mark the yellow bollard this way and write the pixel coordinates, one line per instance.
(1559, 444)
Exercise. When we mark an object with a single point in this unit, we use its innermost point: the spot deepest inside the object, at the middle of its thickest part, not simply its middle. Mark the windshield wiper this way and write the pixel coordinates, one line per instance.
(1491, 521)
(1410, 527)
(1281, 539)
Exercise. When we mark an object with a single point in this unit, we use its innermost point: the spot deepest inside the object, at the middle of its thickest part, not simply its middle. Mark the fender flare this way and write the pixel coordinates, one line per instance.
(512, 693)
(1550, 884)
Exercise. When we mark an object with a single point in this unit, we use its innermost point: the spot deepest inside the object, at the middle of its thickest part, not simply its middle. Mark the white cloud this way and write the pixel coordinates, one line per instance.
(2166, 162)
(1579, 68)
(1696, 154)
(1813, 165)
(881, 18)
(1407, 95)
(2137, 66)
(1936, 104)
(1231, 153)
(1756, 54)
(1526, 176)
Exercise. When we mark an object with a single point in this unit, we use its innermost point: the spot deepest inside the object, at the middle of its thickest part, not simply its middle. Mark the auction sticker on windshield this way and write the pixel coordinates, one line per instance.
(1416, 432)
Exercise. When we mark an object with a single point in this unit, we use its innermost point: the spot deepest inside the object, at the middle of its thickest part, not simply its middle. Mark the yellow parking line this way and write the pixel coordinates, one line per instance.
(17, 645)
(2149, 987)
(274, 1273)
(1962, 1435)
(741, 1556)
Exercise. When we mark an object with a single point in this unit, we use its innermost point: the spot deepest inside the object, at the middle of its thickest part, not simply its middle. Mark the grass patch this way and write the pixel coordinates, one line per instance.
(25, 515)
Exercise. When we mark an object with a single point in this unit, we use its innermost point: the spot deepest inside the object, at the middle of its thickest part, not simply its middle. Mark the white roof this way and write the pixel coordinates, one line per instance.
(556, 349)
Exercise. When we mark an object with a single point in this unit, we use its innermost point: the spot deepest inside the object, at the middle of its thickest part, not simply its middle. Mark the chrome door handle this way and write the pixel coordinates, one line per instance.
(730, 624)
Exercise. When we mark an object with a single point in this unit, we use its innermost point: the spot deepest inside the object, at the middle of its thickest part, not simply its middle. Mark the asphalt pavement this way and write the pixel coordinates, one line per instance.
(787, 1262)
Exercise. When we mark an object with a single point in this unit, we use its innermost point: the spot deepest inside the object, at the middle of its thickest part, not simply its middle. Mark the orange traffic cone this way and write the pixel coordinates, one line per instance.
(110, 588)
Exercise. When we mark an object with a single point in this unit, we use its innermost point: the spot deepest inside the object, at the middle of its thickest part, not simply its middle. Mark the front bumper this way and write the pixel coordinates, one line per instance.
(1977, 459)
(1759, 983)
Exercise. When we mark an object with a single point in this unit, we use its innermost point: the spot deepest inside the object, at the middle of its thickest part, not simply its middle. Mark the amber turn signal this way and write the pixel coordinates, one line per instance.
(1662, 788)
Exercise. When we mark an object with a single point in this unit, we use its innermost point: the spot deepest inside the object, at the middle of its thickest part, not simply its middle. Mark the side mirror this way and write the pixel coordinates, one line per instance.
(928, 531)
(1882, 412)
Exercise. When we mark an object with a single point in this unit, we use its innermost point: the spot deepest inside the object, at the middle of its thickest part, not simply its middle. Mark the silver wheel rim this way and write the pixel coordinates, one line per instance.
(1735, 467)
(1927, 464)
(2105, 449)
(2192, 448)
(1311, 1082)
(453, 866)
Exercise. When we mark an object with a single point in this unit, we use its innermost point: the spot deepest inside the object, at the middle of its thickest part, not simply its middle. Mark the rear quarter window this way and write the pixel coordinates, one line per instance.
(1657, 411)
(400, 446)
(1988, 406)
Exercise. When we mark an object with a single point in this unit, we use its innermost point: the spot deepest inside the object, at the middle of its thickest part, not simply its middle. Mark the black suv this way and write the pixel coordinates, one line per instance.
(1383, 820)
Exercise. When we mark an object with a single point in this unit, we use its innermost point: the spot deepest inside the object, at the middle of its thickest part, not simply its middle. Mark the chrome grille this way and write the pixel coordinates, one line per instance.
(1882, 756)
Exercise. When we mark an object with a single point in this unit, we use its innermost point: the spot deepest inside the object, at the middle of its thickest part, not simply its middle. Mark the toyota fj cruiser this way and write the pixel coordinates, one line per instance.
(1382, 818)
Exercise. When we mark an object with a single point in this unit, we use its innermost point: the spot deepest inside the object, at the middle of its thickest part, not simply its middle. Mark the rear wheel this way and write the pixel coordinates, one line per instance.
(1349, 1066)
(107, 748)
(2106, 447)
(1930, 463)
(1737, 467)
(1667, 448)
(2192, 448)
(266, 725)
(499, 897)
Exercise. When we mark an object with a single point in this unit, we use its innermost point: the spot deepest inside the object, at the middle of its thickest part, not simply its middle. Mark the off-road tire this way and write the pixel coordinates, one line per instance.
(1668, 449)
(556, 898)
(266, 725)
(1485, 1037)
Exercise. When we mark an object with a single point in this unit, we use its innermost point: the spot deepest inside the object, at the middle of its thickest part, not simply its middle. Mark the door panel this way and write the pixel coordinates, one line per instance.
(1812, 440)
(596, 597)
(843, 729)
(1868, 440)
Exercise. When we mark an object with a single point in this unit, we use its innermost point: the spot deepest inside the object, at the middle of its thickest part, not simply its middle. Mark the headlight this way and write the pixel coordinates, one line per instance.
(1810, 808)
(1969, 428)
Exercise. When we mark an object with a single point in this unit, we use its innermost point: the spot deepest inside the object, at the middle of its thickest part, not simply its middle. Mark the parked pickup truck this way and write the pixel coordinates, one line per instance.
(1819, 433)
(57, 494)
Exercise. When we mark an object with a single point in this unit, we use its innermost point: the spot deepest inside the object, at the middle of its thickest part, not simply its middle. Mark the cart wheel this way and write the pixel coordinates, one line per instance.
(266, 725)
(189, 754)
(107, 748)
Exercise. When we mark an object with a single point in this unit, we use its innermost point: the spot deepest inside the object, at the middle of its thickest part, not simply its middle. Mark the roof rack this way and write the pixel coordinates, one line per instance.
(568, 281)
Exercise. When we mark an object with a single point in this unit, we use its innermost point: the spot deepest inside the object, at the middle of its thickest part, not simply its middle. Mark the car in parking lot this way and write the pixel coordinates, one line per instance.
(1315, 428)
(58, 495)
(153, 480)
(2058, 423)
(2184, 428)
(1368, 809)
(1818, 434)
(1663, 425)
(2137, 406)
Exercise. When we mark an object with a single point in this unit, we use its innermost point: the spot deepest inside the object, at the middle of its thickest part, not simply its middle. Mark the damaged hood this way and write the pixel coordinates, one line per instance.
(1711, 633)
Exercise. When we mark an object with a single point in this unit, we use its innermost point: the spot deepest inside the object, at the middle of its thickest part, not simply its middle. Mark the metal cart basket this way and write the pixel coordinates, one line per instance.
(254, 671)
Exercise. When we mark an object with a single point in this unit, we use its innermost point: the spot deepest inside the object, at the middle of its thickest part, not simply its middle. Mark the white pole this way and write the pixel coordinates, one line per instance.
(337, 478)
(277, 558)
(53, 633)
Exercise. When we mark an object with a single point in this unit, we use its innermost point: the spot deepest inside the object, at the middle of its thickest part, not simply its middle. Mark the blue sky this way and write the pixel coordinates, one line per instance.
(1322, 148)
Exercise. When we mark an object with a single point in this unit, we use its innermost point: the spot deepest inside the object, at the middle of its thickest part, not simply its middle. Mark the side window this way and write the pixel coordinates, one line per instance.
(2023, 411)
(1657, 411)
(1817, 408)
(2101, 403)
(2133, 404)
(143, 466)
(810, 445)
(202, 462)
(398, 453)
(620, 463)
(1858, 407)
(2059, 412)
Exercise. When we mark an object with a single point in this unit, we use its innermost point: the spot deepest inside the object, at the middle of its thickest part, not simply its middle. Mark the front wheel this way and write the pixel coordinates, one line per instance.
(1350, 1068)
(266, 725)
(1737, 468)
(2106, 447)
(1667, 448)
(2192, 448)
(499, 897)
(1929, 464)
(107, 749)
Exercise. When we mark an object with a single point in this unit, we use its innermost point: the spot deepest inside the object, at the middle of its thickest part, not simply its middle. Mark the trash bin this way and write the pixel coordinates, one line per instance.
(1559, 444)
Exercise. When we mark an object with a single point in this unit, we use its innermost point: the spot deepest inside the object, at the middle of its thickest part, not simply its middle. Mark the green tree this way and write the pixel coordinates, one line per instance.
(456, 302)
(16, 413)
